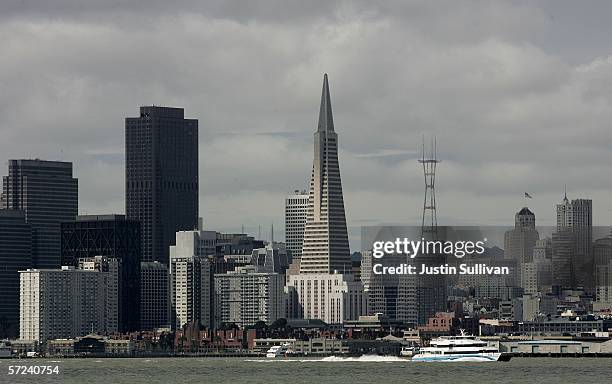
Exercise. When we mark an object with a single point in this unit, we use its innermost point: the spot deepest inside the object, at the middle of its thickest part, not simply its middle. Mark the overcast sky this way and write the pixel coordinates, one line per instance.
(518, 93)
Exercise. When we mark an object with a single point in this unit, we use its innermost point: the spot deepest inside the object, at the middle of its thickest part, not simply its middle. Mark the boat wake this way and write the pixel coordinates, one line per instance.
(335, 359)
(364, 358)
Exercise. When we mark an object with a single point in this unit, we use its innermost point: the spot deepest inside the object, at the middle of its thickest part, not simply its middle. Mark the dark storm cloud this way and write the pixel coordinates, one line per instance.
(518, 94)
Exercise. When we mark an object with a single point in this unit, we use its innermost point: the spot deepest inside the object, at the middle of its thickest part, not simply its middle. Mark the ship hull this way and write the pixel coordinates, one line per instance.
(467, 357)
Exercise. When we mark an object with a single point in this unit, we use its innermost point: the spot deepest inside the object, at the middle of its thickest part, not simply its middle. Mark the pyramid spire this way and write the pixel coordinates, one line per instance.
(326, 121)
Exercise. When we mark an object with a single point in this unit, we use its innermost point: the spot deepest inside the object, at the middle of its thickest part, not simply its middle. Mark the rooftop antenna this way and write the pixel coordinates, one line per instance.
(259, 232)
(272, 234)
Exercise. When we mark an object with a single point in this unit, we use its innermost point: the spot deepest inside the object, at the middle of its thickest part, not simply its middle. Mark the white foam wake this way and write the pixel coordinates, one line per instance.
(364, 358)
(334, 359)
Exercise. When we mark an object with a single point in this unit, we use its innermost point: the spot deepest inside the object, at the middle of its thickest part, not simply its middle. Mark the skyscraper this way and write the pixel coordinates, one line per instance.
(112, 236)
(326, 246)
(296, 207)
(191, 279)
(15, 255)
(48, 194)
(520, 241)
(161, 176)
(577, 216)
(563, 252)
(324, 288)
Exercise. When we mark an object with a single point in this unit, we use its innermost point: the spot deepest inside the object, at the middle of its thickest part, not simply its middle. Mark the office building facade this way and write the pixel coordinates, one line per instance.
(577, 216)
(245, 296)
(296, 207)
(15, 255)
(330, 297)
(65, 303)
(111, 236)
(48, 194)
(191, 281)
(161, 184)
(154, 296)
(326, 246)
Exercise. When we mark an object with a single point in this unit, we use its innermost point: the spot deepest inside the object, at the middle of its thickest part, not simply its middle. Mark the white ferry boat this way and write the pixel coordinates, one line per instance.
(459, 348)
(278, 351)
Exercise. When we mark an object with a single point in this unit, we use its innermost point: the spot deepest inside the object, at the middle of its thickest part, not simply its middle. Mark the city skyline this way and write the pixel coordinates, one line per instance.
(535, 93)
(177, 200)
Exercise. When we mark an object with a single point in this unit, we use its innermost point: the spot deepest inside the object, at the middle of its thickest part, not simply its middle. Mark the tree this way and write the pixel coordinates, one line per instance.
(279, 324)
(259, 325)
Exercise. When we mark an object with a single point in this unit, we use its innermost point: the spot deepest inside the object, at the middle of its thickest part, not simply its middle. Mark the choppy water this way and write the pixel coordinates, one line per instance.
(336, 370)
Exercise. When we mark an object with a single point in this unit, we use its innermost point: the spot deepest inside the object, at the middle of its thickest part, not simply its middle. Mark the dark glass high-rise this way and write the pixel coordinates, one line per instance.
(161, 176)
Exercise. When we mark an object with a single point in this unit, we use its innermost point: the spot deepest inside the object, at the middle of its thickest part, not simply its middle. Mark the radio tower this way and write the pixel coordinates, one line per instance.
(429, 224)
(430, 290)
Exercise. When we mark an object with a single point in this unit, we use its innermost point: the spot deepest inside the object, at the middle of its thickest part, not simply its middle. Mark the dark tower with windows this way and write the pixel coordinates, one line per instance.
(111, 236)
(161, 176)
(48, 195)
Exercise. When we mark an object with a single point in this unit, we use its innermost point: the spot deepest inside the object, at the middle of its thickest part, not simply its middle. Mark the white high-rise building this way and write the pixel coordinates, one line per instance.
(245, 296)
(191, 279)
(296, 207)
(326, 245)
(331, 297)
(66, 303)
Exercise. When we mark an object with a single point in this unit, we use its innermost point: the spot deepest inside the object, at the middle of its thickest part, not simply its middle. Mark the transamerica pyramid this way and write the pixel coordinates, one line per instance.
(326, 246)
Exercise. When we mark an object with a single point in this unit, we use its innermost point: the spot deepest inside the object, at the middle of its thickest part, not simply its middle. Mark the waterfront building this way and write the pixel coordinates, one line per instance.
(65, 303)
(48, 194)
(563, 326)
(332, 298)
(246, 296)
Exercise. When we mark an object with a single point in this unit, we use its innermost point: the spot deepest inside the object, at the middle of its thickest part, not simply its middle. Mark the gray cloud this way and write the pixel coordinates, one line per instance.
(518, 94)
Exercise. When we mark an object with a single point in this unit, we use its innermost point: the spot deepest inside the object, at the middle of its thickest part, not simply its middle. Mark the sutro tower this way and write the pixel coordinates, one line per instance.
(429, 223)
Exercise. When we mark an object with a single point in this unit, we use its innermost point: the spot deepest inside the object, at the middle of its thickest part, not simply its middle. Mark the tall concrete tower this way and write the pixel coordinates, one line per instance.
(326, 246)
